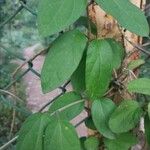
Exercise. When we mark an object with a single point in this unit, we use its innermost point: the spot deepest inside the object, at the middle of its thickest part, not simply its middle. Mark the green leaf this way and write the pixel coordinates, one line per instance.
(89, 123)
(141, 85)
(122, 142)
(78, 77)
(147, 128)
(32, 131)
(149, 110)
(135, 63)
(61, 135)
(82, 140)
(84, 21)
(65, 100)
(91, 143)
(128, 15)
(118, 53)
(62, 59)
(98, 70)
(56, 15)
(101, 111)
(125, 117)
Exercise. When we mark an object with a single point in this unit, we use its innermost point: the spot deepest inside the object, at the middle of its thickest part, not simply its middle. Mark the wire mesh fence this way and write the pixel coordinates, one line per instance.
(17, 76)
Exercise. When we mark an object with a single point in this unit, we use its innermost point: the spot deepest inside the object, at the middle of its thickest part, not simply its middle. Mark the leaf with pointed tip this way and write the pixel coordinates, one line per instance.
(125, 117)
(141, 85)
(61, 135)
(98, 68)
(118, 53)
(62, 59)
(101, 111)
(129, 16)
(78, 77)
(89, 123)
(122, 142)
(32, 131)
(56, 15)
(65, 100)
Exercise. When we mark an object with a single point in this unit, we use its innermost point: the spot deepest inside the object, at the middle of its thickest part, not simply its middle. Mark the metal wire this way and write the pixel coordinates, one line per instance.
(16, 78)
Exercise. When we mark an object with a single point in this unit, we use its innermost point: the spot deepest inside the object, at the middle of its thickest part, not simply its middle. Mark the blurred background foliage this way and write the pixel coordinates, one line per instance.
(15, 36)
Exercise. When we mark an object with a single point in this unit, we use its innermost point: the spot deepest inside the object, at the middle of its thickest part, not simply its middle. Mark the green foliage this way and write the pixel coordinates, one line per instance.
(63, 59)
(6, 119)
(16, 34)
(5, 73)
(98, 70)
(89, 123)
(14, 37)
(56, 15)
(91, 143)
(141, 85)
(67, 99)
(101, 111)
(78, 77)
(147, 128)
(127, 14)
(60, 135)
(118, 53)
(82, 140)
(149, 110)
(135, 64)
(32, 131)
(85, 21)
(89, 64)
(125, 117)
(122, 142)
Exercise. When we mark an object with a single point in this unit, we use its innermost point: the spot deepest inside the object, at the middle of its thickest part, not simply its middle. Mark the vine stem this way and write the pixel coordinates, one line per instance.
(11, 94)
(67, 106)
(138, 47)
(9, 143)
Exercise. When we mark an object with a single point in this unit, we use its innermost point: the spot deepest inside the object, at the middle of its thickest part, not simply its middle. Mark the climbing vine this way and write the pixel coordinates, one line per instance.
(96, 69)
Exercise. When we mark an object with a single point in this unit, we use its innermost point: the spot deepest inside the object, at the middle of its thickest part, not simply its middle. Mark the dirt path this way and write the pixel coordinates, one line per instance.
(35, 98)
